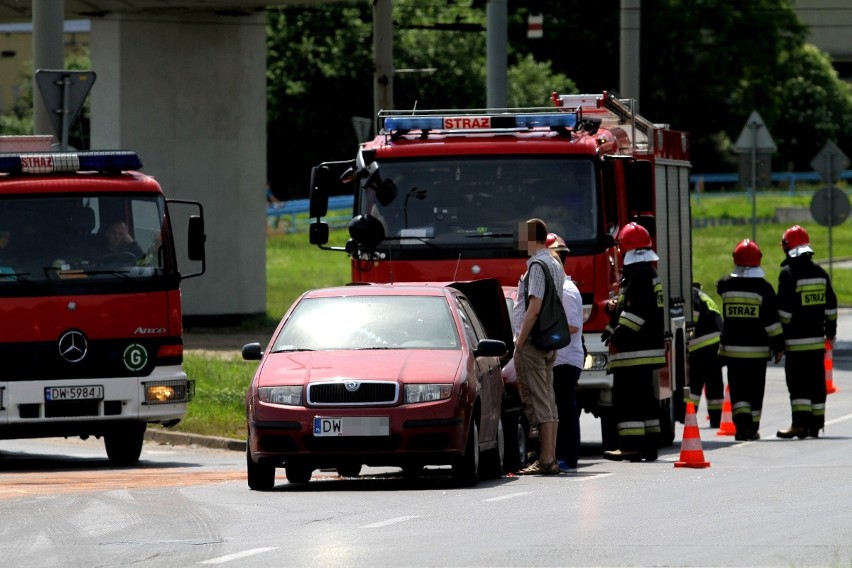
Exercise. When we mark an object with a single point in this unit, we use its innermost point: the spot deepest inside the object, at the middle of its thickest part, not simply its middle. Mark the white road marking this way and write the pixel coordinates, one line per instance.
(509, 496)
(238, 555)
(390, 522)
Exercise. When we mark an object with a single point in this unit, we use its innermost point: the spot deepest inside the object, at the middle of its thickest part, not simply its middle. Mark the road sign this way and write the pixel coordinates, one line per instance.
(830, 206)
(755, 135)
(63, 92)
(830, 162)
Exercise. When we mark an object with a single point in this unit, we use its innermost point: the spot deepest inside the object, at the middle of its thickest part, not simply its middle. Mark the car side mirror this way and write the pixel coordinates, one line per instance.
(252, 352)
(490, 348)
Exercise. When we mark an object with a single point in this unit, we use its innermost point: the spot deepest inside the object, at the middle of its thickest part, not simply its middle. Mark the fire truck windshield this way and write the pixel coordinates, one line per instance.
(75, 239)
(453, 201)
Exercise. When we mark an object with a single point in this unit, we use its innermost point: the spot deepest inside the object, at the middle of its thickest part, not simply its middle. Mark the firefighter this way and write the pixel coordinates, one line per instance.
(635, 339)
(705, 371)
(751, 334)
(808, 310)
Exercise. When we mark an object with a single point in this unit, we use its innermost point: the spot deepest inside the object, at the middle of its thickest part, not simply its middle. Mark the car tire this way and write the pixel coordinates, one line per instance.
(261, 476)
(492, 461)
(124, 444)
(298, 473)
(350, 470)
(515, 454)
(466, 467)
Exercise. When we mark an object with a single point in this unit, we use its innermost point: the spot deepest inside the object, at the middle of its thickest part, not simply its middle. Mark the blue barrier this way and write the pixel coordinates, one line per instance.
(339, 208)
(791, 178)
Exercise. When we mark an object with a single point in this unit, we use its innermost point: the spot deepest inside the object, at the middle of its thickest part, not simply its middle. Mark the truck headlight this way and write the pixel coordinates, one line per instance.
(168, 392)
(595, 362)
(427, 393)
(290, 395)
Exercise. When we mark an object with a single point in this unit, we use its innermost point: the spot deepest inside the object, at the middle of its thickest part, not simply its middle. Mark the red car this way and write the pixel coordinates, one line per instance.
(403, 375)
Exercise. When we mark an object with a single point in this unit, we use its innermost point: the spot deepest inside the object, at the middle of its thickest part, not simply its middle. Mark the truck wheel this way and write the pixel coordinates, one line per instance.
(515, 454)
(466, 467)
(261, 477)
(298, 473)
(124, 444)
(494, 459)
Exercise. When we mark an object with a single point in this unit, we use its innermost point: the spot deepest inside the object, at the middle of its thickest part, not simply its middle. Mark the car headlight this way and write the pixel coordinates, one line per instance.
(427, 393)
(291, 395)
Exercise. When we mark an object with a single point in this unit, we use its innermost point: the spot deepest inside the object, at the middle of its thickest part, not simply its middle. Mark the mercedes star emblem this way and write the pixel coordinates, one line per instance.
(73, 346)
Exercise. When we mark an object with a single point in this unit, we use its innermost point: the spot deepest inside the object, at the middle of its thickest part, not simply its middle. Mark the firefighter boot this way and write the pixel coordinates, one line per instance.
(816, 424)
(622, 455)
(744, 425)
(793, 431)
(715, 417)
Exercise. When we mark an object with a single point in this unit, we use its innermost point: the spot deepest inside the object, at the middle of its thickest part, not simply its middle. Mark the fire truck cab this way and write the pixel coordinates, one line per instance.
(91, 334)
(440, 195)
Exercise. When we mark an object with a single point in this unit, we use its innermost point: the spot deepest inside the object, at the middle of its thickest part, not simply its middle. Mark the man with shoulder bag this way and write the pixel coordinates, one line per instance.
(542, 281)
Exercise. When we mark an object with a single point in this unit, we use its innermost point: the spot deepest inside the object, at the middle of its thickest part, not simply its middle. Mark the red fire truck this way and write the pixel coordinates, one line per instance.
(439, 196)
(89, 295)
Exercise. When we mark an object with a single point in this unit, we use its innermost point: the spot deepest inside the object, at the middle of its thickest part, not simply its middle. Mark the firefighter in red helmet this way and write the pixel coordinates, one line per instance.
(635, 339)
(751, 335)
(807, 306)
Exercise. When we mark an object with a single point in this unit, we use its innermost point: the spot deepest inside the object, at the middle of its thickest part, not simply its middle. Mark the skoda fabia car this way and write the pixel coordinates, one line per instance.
(403, 375)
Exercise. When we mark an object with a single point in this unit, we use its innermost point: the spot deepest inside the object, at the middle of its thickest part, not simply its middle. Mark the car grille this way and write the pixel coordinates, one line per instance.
(344, 393)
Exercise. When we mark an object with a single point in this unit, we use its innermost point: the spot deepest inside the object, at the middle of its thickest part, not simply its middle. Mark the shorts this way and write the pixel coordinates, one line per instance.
(535, 377)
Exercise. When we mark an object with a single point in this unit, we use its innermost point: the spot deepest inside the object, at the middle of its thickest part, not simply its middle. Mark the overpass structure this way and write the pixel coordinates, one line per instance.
(183, 82)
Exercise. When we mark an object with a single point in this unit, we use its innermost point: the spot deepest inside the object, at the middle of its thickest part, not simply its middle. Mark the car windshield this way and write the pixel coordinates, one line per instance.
(369, 322)
(460, 201)
(72, 238)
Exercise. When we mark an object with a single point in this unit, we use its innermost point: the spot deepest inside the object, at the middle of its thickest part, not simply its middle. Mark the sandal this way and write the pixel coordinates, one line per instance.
(539, 468)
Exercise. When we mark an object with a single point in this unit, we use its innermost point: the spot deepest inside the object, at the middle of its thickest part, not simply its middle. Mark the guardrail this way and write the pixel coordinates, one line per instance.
(699, 181)
(294, 212)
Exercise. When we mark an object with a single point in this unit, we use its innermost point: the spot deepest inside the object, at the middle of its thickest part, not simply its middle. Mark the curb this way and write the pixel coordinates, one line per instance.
(182, 439)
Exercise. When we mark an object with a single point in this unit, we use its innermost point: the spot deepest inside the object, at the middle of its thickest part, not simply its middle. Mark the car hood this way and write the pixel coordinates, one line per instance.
(405, 365)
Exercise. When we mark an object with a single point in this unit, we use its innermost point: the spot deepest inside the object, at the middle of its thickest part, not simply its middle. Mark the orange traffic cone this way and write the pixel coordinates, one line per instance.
(829, 367)
(691, 454)
(726, 426)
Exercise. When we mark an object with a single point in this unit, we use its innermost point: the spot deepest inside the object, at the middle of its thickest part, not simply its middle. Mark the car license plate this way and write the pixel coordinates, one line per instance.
(352, 426)
(83, 392)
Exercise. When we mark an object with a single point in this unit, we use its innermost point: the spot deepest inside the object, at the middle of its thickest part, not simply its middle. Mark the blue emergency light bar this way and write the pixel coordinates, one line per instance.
(55, 162)
(482, 122)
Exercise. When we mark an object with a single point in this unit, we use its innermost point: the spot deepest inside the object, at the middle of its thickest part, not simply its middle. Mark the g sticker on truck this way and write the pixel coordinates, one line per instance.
(135, 357)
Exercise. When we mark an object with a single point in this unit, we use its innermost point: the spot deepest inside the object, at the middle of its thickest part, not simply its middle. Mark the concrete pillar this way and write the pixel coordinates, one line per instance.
(383, 55)
(631, 17)
(188, 93)
(48, 53)
(496, 44)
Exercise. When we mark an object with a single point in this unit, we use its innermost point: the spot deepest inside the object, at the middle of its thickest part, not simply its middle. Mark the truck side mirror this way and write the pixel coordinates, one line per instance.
(320, 183)
(318, 233)
(196, 238)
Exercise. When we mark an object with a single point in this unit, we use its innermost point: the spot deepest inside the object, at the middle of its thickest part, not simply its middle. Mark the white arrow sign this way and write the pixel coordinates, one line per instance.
(755, 135)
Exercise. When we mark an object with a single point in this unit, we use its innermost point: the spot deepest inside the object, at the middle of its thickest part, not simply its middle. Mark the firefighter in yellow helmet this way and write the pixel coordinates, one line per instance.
(808, 309)
(635, 338)
(751, 334)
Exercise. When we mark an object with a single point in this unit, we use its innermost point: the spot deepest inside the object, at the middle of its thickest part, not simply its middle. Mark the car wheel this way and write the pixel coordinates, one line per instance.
(466, 467)
(261, 477)
(351, 470)
(493, 459)
(298, 473)
(124, 444)
(515, 442)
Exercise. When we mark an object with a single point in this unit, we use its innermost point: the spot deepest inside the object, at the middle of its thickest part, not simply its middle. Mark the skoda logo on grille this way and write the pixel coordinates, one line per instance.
(352, 386)
(73, 346)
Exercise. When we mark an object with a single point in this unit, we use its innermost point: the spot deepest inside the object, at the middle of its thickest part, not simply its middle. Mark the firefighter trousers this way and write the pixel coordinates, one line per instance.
(705, 374)
(747, 383)
(805, 372)
(636, 409)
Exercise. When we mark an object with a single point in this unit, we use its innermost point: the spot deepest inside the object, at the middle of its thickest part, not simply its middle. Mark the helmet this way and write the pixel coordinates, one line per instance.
(555, 243)
(747, 253)
(633, 236)
(796, 241)
(634, 244)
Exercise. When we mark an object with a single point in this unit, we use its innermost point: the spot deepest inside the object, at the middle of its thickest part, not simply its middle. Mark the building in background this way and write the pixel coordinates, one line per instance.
(16, 55)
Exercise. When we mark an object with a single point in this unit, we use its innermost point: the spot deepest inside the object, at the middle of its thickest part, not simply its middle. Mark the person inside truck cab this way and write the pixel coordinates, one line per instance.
(118, 240)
